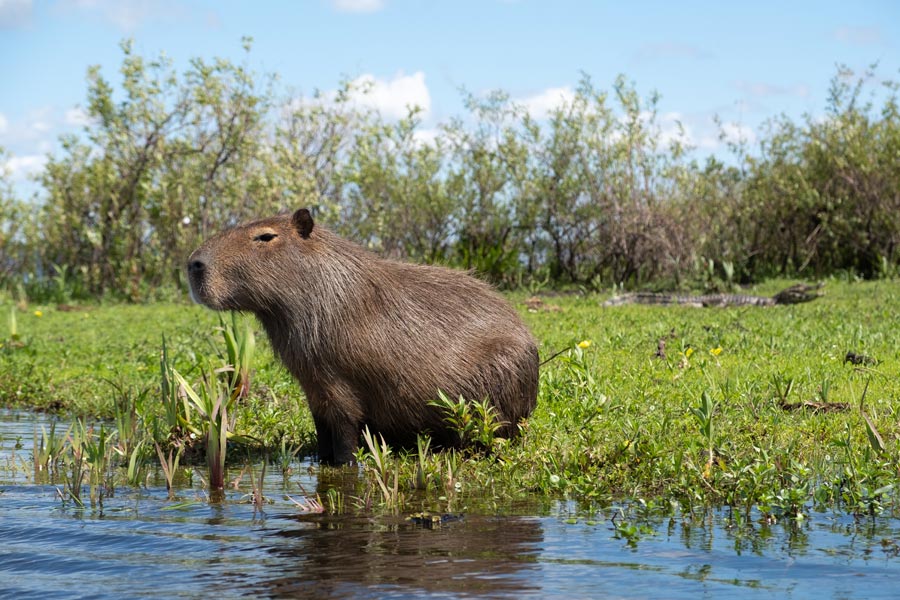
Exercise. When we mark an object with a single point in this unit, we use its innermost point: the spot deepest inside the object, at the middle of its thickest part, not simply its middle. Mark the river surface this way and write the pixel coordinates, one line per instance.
(142, 544)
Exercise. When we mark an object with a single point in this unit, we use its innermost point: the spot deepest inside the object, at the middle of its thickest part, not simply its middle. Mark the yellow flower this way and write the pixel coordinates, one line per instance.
(716, 351)
(688, 352)
(584, 344)
(38, 313)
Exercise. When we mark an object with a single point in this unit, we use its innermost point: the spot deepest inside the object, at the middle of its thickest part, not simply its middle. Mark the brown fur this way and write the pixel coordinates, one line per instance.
(370, 340)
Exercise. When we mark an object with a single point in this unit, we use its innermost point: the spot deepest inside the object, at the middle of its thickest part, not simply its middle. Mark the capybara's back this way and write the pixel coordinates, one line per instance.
(370, 340)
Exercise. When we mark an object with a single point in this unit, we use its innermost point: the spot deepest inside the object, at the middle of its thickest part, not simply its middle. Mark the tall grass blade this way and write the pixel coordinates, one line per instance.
(874, 437)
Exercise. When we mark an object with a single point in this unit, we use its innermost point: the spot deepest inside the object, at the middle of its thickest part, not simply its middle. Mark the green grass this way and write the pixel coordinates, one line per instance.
(719, 419)
(82, 362)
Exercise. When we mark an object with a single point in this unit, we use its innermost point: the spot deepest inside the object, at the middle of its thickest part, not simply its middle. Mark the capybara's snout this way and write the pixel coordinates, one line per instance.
(197, 271)
(196, 267)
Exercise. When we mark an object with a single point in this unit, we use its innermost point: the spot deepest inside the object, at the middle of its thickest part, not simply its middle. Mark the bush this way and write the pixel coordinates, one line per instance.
(594, 195)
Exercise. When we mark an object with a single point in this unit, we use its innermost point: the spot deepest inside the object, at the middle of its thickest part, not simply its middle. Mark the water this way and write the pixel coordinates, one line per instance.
(142, 544)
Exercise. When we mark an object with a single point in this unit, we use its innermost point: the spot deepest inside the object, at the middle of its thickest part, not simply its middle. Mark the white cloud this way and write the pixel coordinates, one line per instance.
(707, 142)
(667, 128)
(127, 15)
(76, 117)
(392, 97)
(672, 129)
(14, 13)
(736, 133)
(40, 127)
(858, 36)
(357, 6)
(22, 167)
(539, 106)
(699, 130)
(426, 136)
(34, 127)
(33, 135)
(702, 133)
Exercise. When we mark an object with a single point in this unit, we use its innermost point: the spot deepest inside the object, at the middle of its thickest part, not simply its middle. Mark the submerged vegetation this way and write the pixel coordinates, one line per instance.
(777, 411)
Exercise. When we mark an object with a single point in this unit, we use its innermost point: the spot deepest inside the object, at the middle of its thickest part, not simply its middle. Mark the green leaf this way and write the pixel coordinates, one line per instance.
(874, 437)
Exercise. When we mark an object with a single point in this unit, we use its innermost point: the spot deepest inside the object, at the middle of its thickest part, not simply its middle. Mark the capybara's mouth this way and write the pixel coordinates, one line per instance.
(196, 294)
(196, 282)
(201, 294)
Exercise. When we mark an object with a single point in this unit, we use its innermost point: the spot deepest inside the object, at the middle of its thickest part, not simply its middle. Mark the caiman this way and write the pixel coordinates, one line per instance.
(795, 294)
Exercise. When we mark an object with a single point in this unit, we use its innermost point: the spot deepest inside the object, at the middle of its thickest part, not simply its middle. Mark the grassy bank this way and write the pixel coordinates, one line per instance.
(752, 407)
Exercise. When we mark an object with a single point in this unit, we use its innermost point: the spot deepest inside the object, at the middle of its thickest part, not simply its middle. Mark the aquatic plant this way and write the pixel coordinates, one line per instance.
(257, 497)
(240, 345)
(377, 457)
(129, 406)
(475, 422)
(74, 465)
(286, 455)
(97, 452)
(203, 410)
(168, 461)
(47, 450)
(309, 505)
(704, 416)
(210, 399)
(136, 468)
(175, 410)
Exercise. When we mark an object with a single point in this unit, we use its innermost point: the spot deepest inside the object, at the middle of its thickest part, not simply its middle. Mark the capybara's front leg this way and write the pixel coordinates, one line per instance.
(337, 442)
(345, 442)
(337, 414)
(325, 441)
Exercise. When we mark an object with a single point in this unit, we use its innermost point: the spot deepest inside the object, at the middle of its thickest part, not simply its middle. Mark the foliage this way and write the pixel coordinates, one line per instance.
(598, 191)
(822, 196)
(14, 225)
(474, 422)
(217, 395)
(129, 197)
(377, 456)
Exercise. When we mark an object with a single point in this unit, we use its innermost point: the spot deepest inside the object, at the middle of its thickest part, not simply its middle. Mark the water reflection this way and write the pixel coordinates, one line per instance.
(474, 555)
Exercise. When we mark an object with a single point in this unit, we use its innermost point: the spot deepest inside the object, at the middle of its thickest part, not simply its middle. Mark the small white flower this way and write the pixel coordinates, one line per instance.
(186, 221)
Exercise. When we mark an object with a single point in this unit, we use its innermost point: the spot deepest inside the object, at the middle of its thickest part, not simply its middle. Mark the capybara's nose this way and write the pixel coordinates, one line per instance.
(195, 267)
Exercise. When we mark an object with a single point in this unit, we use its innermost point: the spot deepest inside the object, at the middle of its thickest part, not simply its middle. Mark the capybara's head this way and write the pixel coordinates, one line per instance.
(249, 266)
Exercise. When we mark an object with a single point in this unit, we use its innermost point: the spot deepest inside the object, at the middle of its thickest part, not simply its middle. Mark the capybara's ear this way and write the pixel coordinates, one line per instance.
(303, 221)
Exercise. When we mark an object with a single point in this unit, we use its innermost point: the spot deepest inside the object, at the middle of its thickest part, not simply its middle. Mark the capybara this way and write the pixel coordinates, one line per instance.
(370, 340)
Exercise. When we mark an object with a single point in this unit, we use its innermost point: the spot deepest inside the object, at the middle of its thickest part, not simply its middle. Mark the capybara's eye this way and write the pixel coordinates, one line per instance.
(265, 237)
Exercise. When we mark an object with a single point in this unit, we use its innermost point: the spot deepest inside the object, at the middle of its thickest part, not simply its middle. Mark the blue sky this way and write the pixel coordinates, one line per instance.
(743, 61)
